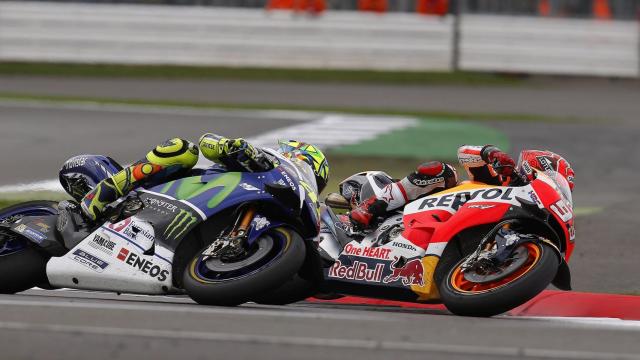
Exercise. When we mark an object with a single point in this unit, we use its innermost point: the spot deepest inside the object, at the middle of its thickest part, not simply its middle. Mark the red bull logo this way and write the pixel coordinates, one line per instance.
(411, 273)
(357, 271)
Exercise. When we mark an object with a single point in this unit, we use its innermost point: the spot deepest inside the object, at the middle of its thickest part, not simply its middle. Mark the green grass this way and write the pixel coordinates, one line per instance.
(346, 110)
(267, 74)
(7, 203)
(430, 139)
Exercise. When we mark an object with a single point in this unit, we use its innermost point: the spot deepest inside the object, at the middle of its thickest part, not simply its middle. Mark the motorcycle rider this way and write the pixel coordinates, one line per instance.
(176, 156)
(486, 164)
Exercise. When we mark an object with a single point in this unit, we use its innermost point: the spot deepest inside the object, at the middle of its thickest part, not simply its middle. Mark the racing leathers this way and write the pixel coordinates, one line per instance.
(172, 159)
(486, 164)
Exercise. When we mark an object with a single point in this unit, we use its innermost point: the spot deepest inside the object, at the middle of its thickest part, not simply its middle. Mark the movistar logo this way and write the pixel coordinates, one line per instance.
(180, 224)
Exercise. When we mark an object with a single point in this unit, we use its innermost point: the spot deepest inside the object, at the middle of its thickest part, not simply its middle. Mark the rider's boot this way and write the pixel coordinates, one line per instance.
(366, 212)
(104, 193)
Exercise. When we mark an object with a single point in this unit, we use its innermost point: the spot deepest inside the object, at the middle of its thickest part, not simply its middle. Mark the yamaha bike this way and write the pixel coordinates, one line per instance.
(221, 237)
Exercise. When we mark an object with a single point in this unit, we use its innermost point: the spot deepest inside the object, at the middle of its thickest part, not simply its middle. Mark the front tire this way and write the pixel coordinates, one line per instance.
(234, 288)
(468, 298)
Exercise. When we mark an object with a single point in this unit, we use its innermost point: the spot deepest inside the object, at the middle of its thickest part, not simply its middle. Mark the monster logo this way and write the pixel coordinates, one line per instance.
(180, 224)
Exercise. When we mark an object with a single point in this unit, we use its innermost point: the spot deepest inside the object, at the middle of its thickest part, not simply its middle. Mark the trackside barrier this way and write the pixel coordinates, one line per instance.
(549, 45)
(548, 303)
(192, 35)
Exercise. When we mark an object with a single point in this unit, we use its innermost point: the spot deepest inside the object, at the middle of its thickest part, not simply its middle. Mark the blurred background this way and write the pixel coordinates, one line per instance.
(378, 84)
(617, 9)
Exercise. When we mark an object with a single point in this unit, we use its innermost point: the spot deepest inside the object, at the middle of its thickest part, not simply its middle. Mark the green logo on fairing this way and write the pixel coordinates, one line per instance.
(180, 224)
(189, 188)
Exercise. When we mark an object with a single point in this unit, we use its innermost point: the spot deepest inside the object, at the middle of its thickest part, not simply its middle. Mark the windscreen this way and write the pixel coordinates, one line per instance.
(558, 182)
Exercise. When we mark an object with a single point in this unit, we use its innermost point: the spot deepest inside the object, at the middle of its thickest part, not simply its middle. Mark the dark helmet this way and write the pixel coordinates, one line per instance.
(361, 186)
(82, 173)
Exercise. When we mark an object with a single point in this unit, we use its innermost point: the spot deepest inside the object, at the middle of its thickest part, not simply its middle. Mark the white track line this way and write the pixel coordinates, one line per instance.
(335, 130)
(317, 342)
(44, 185)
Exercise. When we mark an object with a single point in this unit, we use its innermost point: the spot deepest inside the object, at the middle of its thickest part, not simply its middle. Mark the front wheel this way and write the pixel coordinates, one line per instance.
(531, 269)
(275, 258)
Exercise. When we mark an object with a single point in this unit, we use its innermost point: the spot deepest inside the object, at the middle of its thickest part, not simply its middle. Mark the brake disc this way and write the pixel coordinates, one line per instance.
(262, 249)
(518, 259)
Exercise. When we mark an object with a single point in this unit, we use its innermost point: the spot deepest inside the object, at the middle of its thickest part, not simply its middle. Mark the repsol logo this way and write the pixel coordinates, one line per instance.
(456, 200)
(144, 265)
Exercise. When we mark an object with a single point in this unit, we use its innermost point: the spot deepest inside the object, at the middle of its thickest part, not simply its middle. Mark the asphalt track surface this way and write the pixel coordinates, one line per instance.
(79, 325)
(610, 100)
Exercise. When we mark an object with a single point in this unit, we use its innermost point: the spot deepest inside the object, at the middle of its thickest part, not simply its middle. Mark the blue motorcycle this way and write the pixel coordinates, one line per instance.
(223, 238)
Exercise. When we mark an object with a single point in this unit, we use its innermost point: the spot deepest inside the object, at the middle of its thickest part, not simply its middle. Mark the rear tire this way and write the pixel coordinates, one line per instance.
(25, 268)
(238, 290)
(461, 297)
(22, 270)
(301, 286)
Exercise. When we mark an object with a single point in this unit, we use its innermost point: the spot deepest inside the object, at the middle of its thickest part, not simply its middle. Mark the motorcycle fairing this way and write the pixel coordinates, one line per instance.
(561, 211)
(118, 257)
(39, 230)
(382, 264)
(430, 220)
(197, 198)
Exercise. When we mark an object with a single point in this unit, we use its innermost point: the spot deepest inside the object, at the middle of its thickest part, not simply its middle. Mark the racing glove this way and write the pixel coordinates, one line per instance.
(215, 147)
(227, 151)
(500, 161)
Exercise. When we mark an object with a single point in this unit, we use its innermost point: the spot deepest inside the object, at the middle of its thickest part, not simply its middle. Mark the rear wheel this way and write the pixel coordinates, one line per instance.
(480, 293)
(275, 258)
(301, 286)
(22, 265)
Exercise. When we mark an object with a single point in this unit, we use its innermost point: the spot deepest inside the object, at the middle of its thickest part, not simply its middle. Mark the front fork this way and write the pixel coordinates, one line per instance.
(497, 247)
(232, 246)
